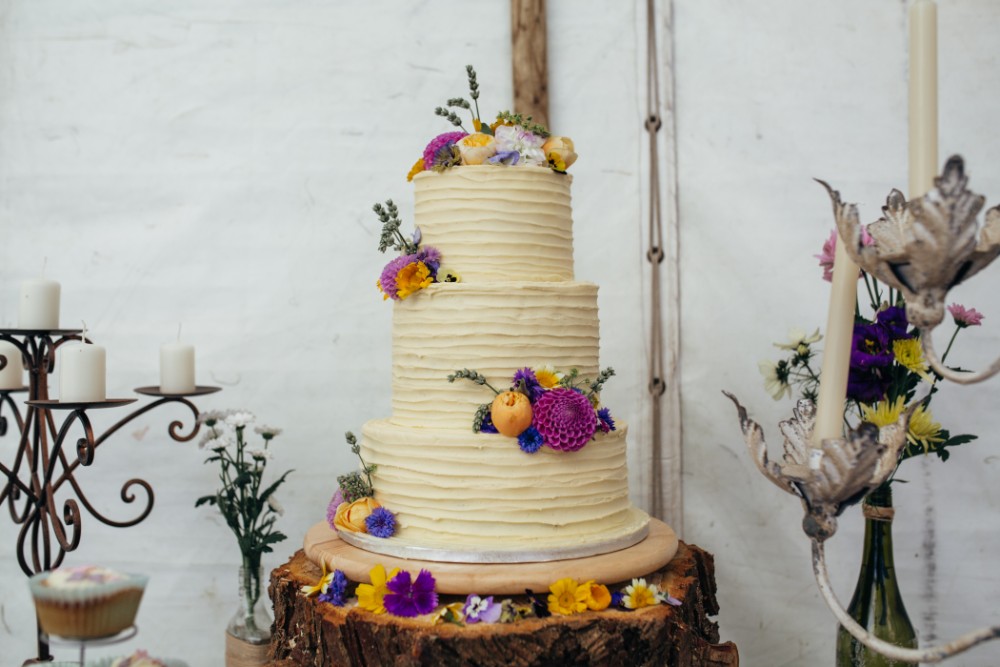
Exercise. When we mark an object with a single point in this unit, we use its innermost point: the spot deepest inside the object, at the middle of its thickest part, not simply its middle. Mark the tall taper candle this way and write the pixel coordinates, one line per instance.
(923, 97)
(837, 348)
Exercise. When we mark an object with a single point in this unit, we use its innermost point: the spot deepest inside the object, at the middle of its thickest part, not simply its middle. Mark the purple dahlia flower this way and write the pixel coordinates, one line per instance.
(411, 598)
(565, 418)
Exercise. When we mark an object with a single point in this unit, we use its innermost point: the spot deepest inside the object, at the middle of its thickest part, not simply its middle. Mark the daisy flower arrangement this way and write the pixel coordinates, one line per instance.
(543, 407)
(888, 373)
(510, 140)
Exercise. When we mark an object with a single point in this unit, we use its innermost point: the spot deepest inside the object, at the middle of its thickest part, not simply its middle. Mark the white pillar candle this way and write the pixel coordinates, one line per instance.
(923, 97)
(837, 348)
(82, 374)
(177, 368)
(39, 305)
(12, 375)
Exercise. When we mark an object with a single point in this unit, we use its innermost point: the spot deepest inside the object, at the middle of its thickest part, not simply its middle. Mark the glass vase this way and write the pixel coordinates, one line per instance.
(252, 621)
(877, 604)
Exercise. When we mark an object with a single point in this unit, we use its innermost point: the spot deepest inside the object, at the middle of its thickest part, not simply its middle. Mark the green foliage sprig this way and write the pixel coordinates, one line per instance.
(598, 383)
(526, 123)
(462, 103)
(391, 237)
(353, 485)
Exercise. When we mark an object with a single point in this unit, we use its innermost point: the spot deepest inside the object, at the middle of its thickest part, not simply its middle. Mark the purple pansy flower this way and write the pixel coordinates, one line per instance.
(530, 440)
(411, 598)
(508, 158)
(478, 609)
(440, 148)
(381, 523)
(336, 591)
(430, 256)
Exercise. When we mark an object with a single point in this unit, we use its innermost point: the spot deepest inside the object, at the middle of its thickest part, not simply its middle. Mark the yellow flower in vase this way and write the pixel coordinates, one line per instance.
(923, 431)
(883, 413)
(371, 597)
(909, 353)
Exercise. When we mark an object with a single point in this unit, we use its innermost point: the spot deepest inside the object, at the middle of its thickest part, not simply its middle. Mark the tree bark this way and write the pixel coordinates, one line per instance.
(529, 49)
(311, 633)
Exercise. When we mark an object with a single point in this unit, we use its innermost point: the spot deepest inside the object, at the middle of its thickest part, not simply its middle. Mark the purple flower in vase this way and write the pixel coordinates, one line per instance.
(871, 346)
(895, 322)
(411, 598)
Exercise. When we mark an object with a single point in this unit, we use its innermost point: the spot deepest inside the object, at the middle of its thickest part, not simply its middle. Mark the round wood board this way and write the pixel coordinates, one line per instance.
(322, 545)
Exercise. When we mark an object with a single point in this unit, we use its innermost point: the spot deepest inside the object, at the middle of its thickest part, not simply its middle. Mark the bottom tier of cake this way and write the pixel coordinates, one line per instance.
(457, 490)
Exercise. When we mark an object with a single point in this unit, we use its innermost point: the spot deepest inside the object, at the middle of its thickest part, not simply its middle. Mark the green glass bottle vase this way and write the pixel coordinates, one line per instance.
(877, 604)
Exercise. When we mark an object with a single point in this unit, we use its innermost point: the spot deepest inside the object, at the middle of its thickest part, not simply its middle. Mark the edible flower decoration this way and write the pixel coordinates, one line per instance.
(415, 268)
(479, 609)
(559, 410)
(409, 597)
(510, 140)
(371, 597)
(353, 507)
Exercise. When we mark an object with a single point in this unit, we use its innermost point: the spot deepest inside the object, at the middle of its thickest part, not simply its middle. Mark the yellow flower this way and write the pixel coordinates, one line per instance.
(417, 167)
(547, 377)
(371, 596)
(450, 613)
(477, 148)
(477, 124)
(568, 597)
(598, 597)
(883, 413)
(321, 585)
(412, 278)
(351, 516)
(640, 594)
(923, 431)
(909, 354)
(559, 152)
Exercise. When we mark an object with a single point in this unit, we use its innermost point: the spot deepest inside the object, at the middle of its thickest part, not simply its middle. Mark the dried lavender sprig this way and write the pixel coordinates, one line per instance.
(391, 236)
(473, 376)
(598, 383)
(368, 469)
(450, 116)
(473, 87)
(477, 421)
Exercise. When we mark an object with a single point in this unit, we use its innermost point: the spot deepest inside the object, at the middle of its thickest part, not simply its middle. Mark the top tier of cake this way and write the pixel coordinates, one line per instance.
(495, 223)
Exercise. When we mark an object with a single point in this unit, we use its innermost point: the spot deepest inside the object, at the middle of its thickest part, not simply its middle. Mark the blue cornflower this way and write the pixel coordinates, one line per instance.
(381, 523)
(336, 592)
(607, 423)
(530, 440)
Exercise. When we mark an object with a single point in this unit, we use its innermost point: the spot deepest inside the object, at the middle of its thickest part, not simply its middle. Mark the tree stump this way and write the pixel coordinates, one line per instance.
(309, 633)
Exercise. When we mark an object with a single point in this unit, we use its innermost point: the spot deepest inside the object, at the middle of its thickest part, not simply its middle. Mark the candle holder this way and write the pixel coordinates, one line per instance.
(41, 468)
(923, 248)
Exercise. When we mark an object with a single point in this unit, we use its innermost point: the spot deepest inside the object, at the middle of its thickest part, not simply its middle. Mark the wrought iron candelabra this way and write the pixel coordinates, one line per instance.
(923, 248)
(42, 469)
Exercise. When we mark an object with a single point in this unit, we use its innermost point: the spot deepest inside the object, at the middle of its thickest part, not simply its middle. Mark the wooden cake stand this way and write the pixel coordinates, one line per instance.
(308, 632)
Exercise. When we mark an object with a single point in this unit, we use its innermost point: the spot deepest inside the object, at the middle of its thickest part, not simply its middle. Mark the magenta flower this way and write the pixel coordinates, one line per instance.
(565, 418)
(965, 317)
(331, 509)
(830, 249)
(411, 598)
(433, 149)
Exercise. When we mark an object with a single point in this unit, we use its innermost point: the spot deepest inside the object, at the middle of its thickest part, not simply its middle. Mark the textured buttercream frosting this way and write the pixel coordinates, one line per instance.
(492, 328)
(465, 489)
(498, 224)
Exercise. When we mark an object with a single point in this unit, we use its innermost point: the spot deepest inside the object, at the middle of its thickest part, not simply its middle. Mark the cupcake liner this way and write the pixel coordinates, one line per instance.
(101, 610)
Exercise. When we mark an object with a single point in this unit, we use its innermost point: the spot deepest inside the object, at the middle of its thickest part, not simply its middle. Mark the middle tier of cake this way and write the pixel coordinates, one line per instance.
(493, 329)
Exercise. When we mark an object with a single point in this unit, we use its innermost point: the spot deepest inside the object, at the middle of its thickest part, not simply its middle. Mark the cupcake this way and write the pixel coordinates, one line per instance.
(86, 601)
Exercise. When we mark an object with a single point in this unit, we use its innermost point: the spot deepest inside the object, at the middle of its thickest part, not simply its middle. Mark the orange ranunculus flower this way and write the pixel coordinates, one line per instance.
(351, 516)
(511, 413)
(598, 596)
(559, 152)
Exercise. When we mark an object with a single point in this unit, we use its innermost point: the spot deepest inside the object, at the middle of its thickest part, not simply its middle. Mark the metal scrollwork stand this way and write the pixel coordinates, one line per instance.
(923, 248)
(41, 468)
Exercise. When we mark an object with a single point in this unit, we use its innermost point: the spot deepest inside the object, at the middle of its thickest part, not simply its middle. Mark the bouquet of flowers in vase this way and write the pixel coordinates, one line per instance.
(248, 506)
(888, 371)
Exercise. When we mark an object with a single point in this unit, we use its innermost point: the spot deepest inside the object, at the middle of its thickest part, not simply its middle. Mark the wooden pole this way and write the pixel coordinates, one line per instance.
(530, 59)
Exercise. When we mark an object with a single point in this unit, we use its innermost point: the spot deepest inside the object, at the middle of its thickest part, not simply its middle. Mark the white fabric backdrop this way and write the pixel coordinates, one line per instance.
(215, 164)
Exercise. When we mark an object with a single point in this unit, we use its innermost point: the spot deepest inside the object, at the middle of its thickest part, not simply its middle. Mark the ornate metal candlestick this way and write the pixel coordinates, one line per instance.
(923, 248)
(41, 468)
